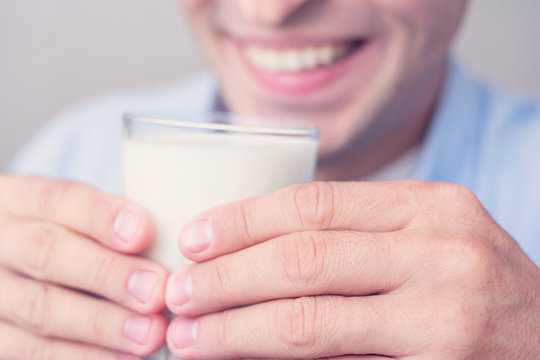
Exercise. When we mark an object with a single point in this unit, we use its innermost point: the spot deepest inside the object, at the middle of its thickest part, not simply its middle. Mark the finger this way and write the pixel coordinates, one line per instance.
(50, 311)
(16, 344)
(112, 220)
(367, 207)
(291, 266)
(303, 328)
(46, 251)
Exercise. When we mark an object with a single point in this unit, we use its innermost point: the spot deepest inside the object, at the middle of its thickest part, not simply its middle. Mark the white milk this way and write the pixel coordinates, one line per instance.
(175, 176)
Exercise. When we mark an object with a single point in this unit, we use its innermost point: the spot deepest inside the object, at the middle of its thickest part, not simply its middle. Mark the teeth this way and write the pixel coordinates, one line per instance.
(291, 61)
(310, 58)
(326, 55)
(295, 60)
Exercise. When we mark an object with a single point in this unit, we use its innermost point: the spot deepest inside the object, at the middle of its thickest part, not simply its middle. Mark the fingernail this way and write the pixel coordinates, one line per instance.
(184, 333)
(126, 225)
(181, 289)
(197, 236)
(141, 285)
(137, 329)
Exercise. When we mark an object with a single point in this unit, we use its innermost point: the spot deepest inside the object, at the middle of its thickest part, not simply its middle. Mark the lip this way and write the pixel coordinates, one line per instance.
(298, 83)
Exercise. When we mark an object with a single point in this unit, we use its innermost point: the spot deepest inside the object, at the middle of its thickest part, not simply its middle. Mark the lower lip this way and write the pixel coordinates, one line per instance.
(302, 83)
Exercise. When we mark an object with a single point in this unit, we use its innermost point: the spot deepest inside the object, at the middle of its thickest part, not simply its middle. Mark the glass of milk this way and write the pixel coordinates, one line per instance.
(178, 167)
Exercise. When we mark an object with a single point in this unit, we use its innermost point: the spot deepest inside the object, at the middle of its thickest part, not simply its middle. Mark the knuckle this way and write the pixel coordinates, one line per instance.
(105, 207)
(9, 231)
(457, 195)
(224, 330)
(96, 328)
(35, 313)
(300, 320)
(471, 257)
(222, 274)
(91, 354)
(417, 192)
(39, 349)
(404, 197)
(244, 225)
(463, 328)
(104, 272)
(303, 259)
(444, 201)
(43, 240)
(473, 262)
(461, 193)
(314, 204)
(52, 195)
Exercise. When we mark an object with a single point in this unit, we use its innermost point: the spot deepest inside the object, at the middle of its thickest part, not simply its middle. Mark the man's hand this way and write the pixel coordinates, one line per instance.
(67, 291)
(406, 270)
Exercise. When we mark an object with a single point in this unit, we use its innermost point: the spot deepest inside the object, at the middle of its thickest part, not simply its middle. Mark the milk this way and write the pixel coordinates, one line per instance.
(177, 175)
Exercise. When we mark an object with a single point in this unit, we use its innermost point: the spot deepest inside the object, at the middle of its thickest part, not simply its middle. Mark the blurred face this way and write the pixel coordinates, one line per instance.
(346, 66)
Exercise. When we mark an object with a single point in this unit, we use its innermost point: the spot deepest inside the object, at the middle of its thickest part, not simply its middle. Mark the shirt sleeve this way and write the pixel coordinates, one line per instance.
(47, 153)
(82, 145)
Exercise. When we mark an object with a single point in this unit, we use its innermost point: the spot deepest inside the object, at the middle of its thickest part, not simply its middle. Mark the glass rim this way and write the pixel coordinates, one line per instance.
(179, 123)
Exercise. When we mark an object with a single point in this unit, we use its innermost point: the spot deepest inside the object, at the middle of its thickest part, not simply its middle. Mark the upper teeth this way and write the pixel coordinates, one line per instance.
(273, 60)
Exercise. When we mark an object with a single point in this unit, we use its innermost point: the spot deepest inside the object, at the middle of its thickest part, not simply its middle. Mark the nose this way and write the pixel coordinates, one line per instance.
(268, 12)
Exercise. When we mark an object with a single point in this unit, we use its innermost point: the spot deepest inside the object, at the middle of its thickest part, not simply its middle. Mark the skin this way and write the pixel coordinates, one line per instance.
(394, 87)
(405, 270)
(58, 298)
(348, 270)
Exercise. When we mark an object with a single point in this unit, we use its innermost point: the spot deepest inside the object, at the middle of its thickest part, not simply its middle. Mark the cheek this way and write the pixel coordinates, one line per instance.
(429, 24)
(197, 12)
(194, 8)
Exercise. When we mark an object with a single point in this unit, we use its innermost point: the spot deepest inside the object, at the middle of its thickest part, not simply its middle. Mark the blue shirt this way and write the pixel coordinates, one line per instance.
(480, 137)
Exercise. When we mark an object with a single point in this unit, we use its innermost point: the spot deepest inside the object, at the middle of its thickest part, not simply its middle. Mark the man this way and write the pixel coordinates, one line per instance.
(367, 270)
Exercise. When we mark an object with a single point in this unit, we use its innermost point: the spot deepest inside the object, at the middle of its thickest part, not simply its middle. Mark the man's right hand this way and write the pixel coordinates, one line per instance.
(69, 288)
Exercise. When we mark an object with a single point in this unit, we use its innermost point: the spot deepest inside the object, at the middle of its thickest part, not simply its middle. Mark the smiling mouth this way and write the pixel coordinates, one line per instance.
(299, 59)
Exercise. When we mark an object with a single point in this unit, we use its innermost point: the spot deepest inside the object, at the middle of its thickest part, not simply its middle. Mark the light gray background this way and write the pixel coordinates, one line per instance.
(54, 53)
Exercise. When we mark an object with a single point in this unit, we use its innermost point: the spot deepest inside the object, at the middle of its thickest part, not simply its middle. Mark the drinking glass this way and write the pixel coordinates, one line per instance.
(177, 167)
